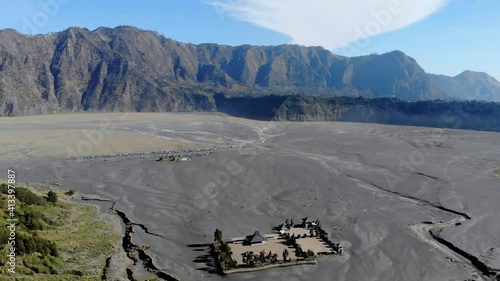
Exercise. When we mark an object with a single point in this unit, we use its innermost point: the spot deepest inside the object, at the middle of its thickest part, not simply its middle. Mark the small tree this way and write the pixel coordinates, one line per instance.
(217, 235)
(285, 255)
(251, 259)
(223, 258)
(52, 196)
(244, 258)
(299, 252)
(262, 256)
(274, 258)
(225, 248)
(310, 254)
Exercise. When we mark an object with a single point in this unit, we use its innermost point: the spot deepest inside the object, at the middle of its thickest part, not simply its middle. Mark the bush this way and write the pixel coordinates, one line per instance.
(24, 195)
(3, 202)
(52, 196)
(299, 252)
(4, 235)
(70, 192)
(29, 218)
(43, 264)
(309, 255)
(22, 270)
(28, 244)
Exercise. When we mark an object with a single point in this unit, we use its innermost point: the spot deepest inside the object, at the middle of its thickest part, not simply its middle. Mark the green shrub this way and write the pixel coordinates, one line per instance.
(29, 218)
(26, 196)
(52, 196)
(27, 244)
(70, 192)
(3, 202)
(22, 270)
(46, 264)
(4, 235)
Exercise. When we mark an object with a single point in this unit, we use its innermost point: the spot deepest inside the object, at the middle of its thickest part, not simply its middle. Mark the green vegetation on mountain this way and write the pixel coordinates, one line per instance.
(55, 240)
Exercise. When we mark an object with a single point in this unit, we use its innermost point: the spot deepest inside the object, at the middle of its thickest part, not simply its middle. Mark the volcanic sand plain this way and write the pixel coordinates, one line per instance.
(377, 189)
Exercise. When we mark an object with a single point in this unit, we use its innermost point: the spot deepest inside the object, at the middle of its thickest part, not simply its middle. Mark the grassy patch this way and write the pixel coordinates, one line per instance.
(72, 240)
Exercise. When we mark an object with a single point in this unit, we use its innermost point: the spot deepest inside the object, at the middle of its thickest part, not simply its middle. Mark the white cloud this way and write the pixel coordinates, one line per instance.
(329, 23)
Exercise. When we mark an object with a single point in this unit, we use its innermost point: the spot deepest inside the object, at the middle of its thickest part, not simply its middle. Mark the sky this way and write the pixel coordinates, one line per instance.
(444, 36)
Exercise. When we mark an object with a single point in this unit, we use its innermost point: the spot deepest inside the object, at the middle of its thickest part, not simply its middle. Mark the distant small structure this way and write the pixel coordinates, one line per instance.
(255, 238)
(338, 248)
(308, 224)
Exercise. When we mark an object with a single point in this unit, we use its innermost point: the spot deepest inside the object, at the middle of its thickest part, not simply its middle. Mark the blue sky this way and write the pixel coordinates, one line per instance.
(444, 36)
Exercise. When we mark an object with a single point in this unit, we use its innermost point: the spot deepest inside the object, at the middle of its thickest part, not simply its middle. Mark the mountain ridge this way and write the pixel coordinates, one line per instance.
(130, 69)
(469, 85)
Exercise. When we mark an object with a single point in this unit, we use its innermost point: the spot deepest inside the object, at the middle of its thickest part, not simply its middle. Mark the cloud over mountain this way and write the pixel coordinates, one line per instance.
(329, 23)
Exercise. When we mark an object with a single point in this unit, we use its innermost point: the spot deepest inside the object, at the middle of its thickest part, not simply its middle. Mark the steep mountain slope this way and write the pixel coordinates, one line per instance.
(469, 85)
(391, 73)
(127, 69)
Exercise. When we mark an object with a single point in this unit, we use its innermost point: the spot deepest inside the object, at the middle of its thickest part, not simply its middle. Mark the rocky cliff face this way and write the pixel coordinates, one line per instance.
(473, 115)
(127, 69)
